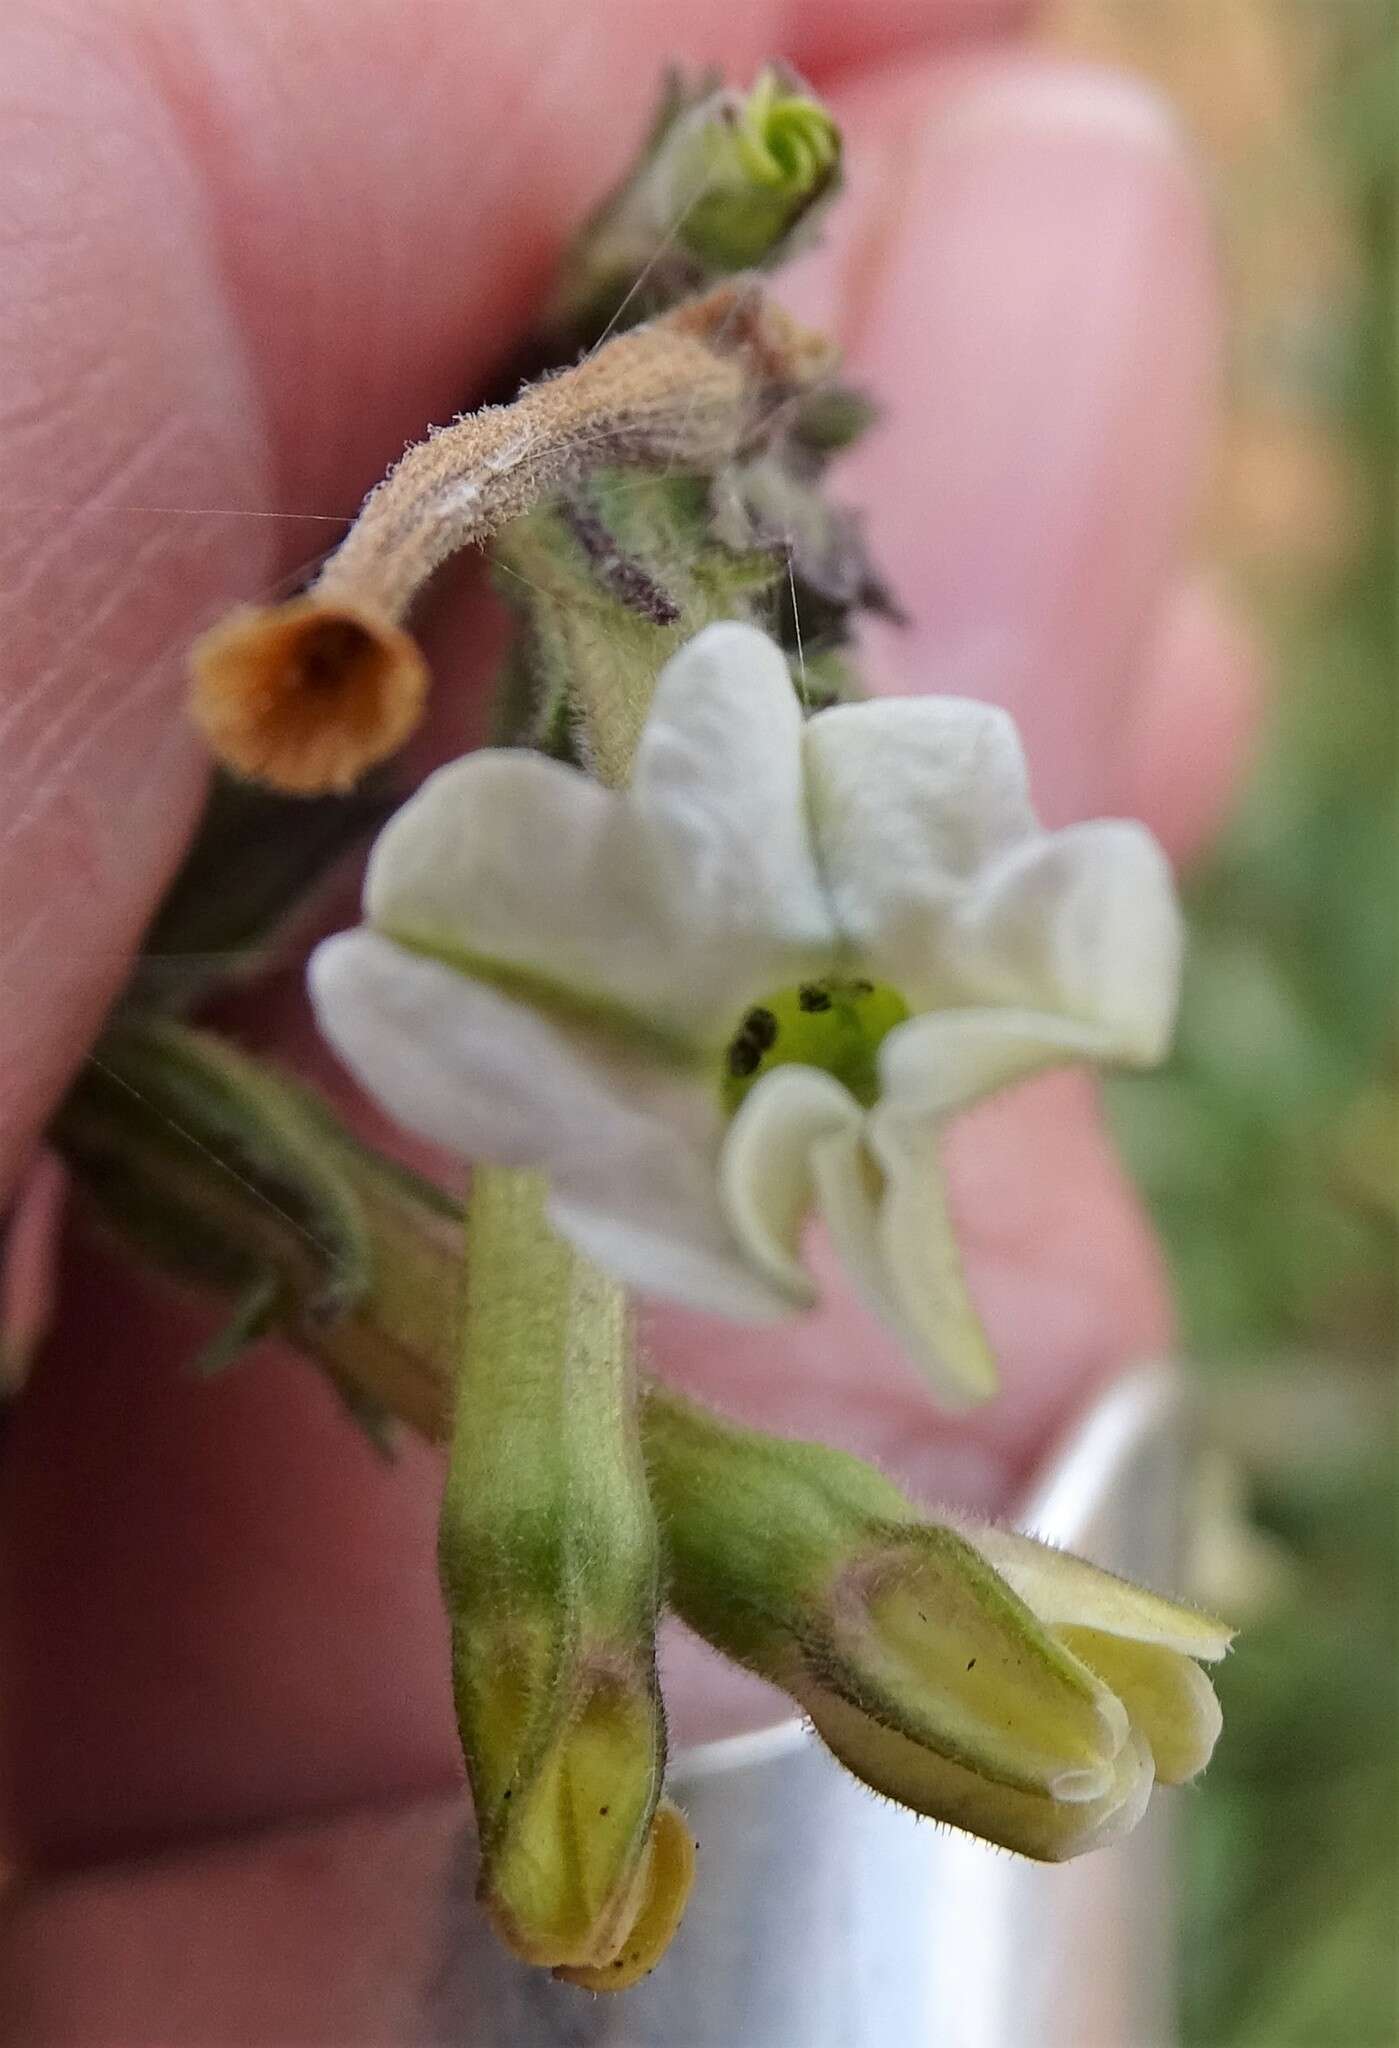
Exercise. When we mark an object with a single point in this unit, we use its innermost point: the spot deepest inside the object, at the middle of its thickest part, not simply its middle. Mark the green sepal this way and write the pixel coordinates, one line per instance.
(235, 1178)
(754, 1525)
(607, 585)
(156, 1105)
(768, 503)
(965, 1672)
(590, 644)
(831, 418)
(257, 1310)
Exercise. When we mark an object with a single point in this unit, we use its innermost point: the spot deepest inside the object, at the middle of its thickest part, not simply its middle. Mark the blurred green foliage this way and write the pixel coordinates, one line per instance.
(1269, 1151)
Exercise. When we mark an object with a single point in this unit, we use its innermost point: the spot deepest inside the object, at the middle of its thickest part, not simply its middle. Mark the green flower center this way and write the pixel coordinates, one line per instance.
(838, 1026)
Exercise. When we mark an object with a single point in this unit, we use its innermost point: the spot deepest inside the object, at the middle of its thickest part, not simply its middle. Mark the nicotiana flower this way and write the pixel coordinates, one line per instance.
(753, 985)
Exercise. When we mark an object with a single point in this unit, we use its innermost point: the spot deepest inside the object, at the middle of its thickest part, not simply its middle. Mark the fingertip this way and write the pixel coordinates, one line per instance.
(1195, 717)
(832, 34)
(29, 1266)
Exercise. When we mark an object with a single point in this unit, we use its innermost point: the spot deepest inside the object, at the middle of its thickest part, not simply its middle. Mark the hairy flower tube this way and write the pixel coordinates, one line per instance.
(751, 986)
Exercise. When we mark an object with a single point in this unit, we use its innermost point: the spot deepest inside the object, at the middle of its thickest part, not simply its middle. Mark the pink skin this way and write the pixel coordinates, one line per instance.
(257, 248)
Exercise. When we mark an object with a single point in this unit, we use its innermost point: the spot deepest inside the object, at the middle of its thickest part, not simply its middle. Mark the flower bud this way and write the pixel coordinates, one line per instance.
(739, 170)
(661, 1891)
(1146, 1648)
(722, 184)
(969, 1673)
(566, 1748)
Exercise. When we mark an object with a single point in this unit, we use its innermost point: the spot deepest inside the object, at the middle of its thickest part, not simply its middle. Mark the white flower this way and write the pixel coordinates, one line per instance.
(753, 985)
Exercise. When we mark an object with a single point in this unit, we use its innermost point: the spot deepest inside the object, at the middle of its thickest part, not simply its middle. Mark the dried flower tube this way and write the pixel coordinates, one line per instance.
(309, 694)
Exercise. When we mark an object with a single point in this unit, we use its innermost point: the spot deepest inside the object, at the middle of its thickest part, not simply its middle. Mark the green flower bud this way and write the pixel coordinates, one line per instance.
(721, 184)
(549, 1565)
(740, 170)
(566, 1753)
(971, 1674)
